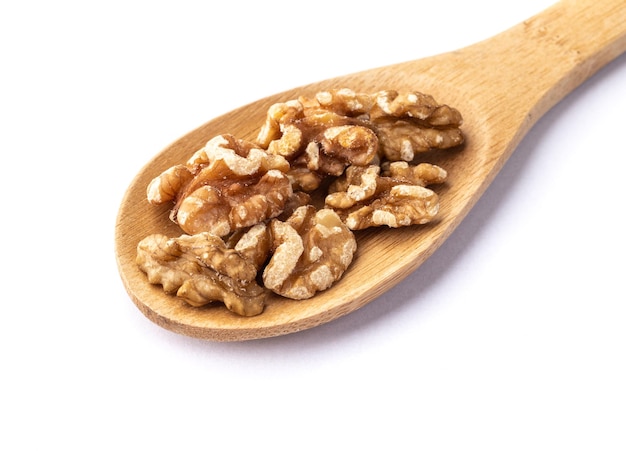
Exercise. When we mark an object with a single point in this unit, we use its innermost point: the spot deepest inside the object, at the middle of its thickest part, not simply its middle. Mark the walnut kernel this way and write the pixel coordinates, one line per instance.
(364, 198)
(200, 269)
(312, 249)
(226, 185)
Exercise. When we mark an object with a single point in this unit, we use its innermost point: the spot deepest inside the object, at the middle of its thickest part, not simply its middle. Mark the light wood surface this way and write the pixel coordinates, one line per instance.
(502, 86)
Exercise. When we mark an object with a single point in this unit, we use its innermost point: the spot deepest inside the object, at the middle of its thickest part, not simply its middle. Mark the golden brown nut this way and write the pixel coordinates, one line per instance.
(226, 185)
(201, 270)
(223, 206)
(409, 123)
(403, 124)
(401, 140)
(402, 206)
(318, 139)
(311, 251)
(414, 105)
(364, 198)
(342, 101)
(226, 156)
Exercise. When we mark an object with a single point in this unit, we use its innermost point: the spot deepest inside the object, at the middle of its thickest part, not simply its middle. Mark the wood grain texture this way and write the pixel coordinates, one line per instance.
(502, 86)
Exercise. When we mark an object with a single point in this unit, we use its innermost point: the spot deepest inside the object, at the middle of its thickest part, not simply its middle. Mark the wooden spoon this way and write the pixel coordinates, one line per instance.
(502, 86)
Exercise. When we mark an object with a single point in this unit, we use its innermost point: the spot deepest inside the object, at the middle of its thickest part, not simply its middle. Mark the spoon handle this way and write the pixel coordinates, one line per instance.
(532, 66)
(566, 45)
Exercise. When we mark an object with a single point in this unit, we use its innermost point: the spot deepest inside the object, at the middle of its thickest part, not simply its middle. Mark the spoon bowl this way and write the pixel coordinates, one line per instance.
(502, 86)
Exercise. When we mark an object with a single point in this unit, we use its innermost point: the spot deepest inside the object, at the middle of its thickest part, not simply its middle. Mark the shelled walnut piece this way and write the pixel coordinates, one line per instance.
(398, 197)
(310, 252)
(201, 269)
(404, 123)
(347, 153)
(227, 185)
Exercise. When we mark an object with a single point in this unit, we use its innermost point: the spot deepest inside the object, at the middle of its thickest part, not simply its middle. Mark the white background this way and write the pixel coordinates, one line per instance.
(512, 336)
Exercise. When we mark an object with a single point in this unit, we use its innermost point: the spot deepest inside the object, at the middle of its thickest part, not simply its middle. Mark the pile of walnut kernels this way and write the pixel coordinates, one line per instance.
(277, 215)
